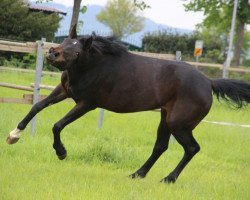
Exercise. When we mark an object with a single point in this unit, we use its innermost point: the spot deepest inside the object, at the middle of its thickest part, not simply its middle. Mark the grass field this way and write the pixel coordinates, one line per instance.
(99, 161)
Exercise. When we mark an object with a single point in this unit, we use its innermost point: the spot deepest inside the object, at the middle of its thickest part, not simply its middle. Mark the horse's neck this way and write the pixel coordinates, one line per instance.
(92, 70)
(73, 75)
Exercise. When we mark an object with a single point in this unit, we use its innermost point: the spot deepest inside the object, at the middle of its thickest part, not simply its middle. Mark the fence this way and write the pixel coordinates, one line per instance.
(24, 47)
(39, 47)
(27, 98)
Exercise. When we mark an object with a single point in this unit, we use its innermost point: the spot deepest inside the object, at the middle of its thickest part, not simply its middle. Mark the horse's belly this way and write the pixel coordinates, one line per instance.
(130, 109)
(127, 104)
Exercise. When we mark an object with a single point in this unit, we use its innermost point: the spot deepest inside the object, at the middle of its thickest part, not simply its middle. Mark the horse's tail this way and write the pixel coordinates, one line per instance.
(236, 91)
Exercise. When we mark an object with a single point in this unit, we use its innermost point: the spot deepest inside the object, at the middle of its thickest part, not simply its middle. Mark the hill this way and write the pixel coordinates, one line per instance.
(91, 24)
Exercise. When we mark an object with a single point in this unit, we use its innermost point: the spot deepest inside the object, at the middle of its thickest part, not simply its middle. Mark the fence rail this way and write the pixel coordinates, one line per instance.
(27, 71)
(27, 47)
(27, 98)
(156, 55)
(23, 47)
(18, 87)
(220, 66)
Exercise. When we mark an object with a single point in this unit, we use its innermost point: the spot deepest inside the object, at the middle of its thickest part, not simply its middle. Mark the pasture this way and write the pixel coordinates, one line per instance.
(99, 161)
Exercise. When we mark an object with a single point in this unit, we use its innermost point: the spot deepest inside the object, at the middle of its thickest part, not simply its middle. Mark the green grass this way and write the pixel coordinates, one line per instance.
(99, 161)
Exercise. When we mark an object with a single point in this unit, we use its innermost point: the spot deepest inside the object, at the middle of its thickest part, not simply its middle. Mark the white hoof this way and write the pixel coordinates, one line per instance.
(14, 136)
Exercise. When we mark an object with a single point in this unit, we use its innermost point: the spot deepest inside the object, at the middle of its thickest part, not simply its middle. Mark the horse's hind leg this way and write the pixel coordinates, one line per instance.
(57, 95)
(161, 145)
(191, 147)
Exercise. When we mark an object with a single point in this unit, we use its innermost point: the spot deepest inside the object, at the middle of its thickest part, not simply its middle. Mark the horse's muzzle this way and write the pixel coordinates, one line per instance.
(52, 55)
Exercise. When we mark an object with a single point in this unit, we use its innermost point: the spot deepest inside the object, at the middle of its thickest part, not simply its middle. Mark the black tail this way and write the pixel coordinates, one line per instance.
(232, 90)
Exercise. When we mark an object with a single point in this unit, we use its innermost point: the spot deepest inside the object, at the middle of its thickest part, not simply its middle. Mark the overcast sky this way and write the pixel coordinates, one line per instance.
(169, 12)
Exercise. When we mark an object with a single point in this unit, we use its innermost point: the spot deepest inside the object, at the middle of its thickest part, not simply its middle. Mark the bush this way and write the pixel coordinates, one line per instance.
(14, 62)
(2, 60)
(213, 56)
(26, 61)
(246, 63)
(169, 42)
(211, 72)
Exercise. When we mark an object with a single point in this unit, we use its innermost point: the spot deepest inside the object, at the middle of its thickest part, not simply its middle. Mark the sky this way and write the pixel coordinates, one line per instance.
(168, 12)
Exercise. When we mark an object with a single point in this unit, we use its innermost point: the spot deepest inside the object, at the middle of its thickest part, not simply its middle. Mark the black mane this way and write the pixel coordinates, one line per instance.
(106, 45)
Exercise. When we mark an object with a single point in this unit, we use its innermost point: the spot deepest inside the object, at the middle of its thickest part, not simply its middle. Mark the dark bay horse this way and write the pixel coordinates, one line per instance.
(99, 72)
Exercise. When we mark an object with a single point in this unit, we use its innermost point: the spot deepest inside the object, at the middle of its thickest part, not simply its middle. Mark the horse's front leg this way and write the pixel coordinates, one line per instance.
(79, 110)
(57, 95)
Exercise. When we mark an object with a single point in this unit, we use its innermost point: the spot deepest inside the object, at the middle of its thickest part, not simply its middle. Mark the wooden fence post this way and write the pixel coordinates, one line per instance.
(38, 75)
(178, 58)
(101, 117)
(178, 55)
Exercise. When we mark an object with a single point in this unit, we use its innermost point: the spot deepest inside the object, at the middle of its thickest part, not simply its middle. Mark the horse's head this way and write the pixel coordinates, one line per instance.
(68, 53)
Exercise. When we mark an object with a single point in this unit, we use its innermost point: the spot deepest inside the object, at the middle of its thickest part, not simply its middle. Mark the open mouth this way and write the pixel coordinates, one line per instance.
(49, 60)
(56, 64)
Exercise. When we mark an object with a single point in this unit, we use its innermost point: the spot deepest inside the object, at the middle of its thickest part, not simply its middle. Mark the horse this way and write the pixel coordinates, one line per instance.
(99, 72)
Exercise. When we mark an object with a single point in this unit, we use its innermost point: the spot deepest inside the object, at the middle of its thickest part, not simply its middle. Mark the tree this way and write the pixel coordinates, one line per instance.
(122, 17)
(218, 13)
(75, 13)
(141, 4)
(18, 23)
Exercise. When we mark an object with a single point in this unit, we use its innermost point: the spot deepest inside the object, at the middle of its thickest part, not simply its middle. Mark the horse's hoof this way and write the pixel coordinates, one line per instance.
(62, 157)
(136, 175)
(60, 151)
(12, 140)
(168, 180)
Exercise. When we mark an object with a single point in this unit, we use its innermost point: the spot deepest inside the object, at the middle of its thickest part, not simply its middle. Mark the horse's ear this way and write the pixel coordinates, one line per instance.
(88, 42)
(93, 35)
(72, 34)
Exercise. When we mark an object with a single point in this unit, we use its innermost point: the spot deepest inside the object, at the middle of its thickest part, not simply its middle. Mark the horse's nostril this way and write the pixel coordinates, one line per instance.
(51, 50)
(56, 54)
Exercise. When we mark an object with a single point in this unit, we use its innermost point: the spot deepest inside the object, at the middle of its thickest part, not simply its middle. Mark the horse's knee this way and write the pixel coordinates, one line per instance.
(56, 128)
(192, 150)
(37, 107)
(161, 148)
(197, 148)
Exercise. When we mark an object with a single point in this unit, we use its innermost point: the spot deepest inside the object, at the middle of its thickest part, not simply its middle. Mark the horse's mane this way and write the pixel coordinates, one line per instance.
(106, 45)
